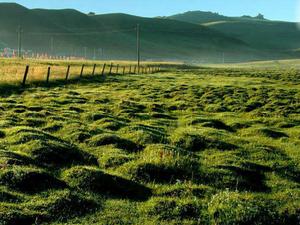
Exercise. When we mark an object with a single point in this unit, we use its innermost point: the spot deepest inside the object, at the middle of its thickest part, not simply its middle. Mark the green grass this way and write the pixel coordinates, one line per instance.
(278, 37)
(185, 146)
(72, 30)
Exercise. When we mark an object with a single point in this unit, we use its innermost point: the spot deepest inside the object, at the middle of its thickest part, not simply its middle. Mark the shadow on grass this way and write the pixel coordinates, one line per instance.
(7, 89)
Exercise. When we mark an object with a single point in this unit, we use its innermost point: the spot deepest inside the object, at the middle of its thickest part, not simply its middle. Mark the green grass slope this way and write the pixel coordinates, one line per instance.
(72, 31)
(69, 19)
(200, 17)
(167, 37)
(13, 15)
(272, 36)
(153, 149)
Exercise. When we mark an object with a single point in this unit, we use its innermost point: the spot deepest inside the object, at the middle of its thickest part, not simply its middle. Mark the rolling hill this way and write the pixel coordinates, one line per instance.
(192, 36)
(259, 33)
(71, 32)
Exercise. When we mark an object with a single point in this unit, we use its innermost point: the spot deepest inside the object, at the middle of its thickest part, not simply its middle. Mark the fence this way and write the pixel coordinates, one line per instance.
(92, 71)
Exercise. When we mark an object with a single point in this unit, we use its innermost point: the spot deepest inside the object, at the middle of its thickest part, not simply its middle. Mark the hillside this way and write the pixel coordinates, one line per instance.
(200, 17)
(71, 31)
(263, 34)
(193, 36)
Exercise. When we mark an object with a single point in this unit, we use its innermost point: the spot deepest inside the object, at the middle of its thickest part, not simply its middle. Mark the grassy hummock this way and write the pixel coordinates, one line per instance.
(186, 146)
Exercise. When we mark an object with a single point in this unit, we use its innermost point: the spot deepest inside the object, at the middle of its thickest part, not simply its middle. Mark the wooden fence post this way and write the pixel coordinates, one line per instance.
(94, 69)
(25, 75)
(68, 72)
(48, 74)
(82, 68)
(123, 70)
(110, 70)
(130, 69)
(134, 70)
(117, 71)
(103, 69)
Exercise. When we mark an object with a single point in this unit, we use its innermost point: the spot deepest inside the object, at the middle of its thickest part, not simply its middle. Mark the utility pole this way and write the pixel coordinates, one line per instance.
(85, 52)
(138, 47)
(100, 53)
(52, 46)
(19, 31)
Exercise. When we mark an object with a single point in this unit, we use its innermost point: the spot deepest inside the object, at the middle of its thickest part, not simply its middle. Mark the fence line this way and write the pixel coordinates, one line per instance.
(143, 70)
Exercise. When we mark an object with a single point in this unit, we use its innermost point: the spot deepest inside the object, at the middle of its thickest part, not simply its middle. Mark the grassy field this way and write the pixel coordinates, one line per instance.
(289, 64)
(186, 146)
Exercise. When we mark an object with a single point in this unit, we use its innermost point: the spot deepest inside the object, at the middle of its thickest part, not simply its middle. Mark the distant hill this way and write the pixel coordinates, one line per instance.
(74, 33)
(113, 36)
(201, 17)
(259, 33)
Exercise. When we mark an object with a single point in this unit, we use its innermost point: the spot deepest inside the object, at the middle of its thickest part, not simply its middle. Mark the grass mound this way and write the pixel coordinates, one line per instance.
(6, 196)
(16, 216)
(233, 208)
(264, 153)
(54, 154)
(235, 178)
(110, 124)
(162, 116)
(213, 123)
(80, 136)
(162, 163)
(34, 122)
(272, 133)
(174, 209)
(144, 135)
(131, 107)
(110, 139)
(49, 150)
(110, 157)
(12, 158)
(2, 134)
(97, 181)
(29, 180)
(192, 140)
(98, 116)
(186, 190)
(57, 206)
(63, 205)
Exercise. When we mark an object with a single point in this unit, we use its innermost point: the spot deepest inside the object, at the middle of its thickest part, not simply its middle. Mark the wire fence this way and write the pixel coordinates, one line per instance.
(45, 73)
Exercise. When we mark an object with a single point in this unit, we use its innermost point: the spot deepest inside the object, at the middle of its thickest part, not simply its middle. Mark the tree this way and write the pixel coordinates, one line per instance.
(260, 16)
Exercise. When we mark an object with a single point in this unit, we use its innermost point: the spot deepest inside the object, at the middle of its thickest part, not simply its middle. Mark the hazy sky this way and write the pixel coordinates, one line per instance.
(272, 9)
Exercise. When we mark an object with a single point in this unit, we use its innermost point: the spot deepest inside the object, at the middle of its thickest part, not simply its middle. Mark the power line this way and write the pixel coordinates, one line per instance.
(19, 31)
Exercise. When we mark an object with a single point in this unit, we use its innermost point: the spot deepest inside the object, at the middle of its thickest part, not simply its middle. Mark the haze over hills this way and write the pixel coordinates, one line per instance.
(113, 36)
(258, 32)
